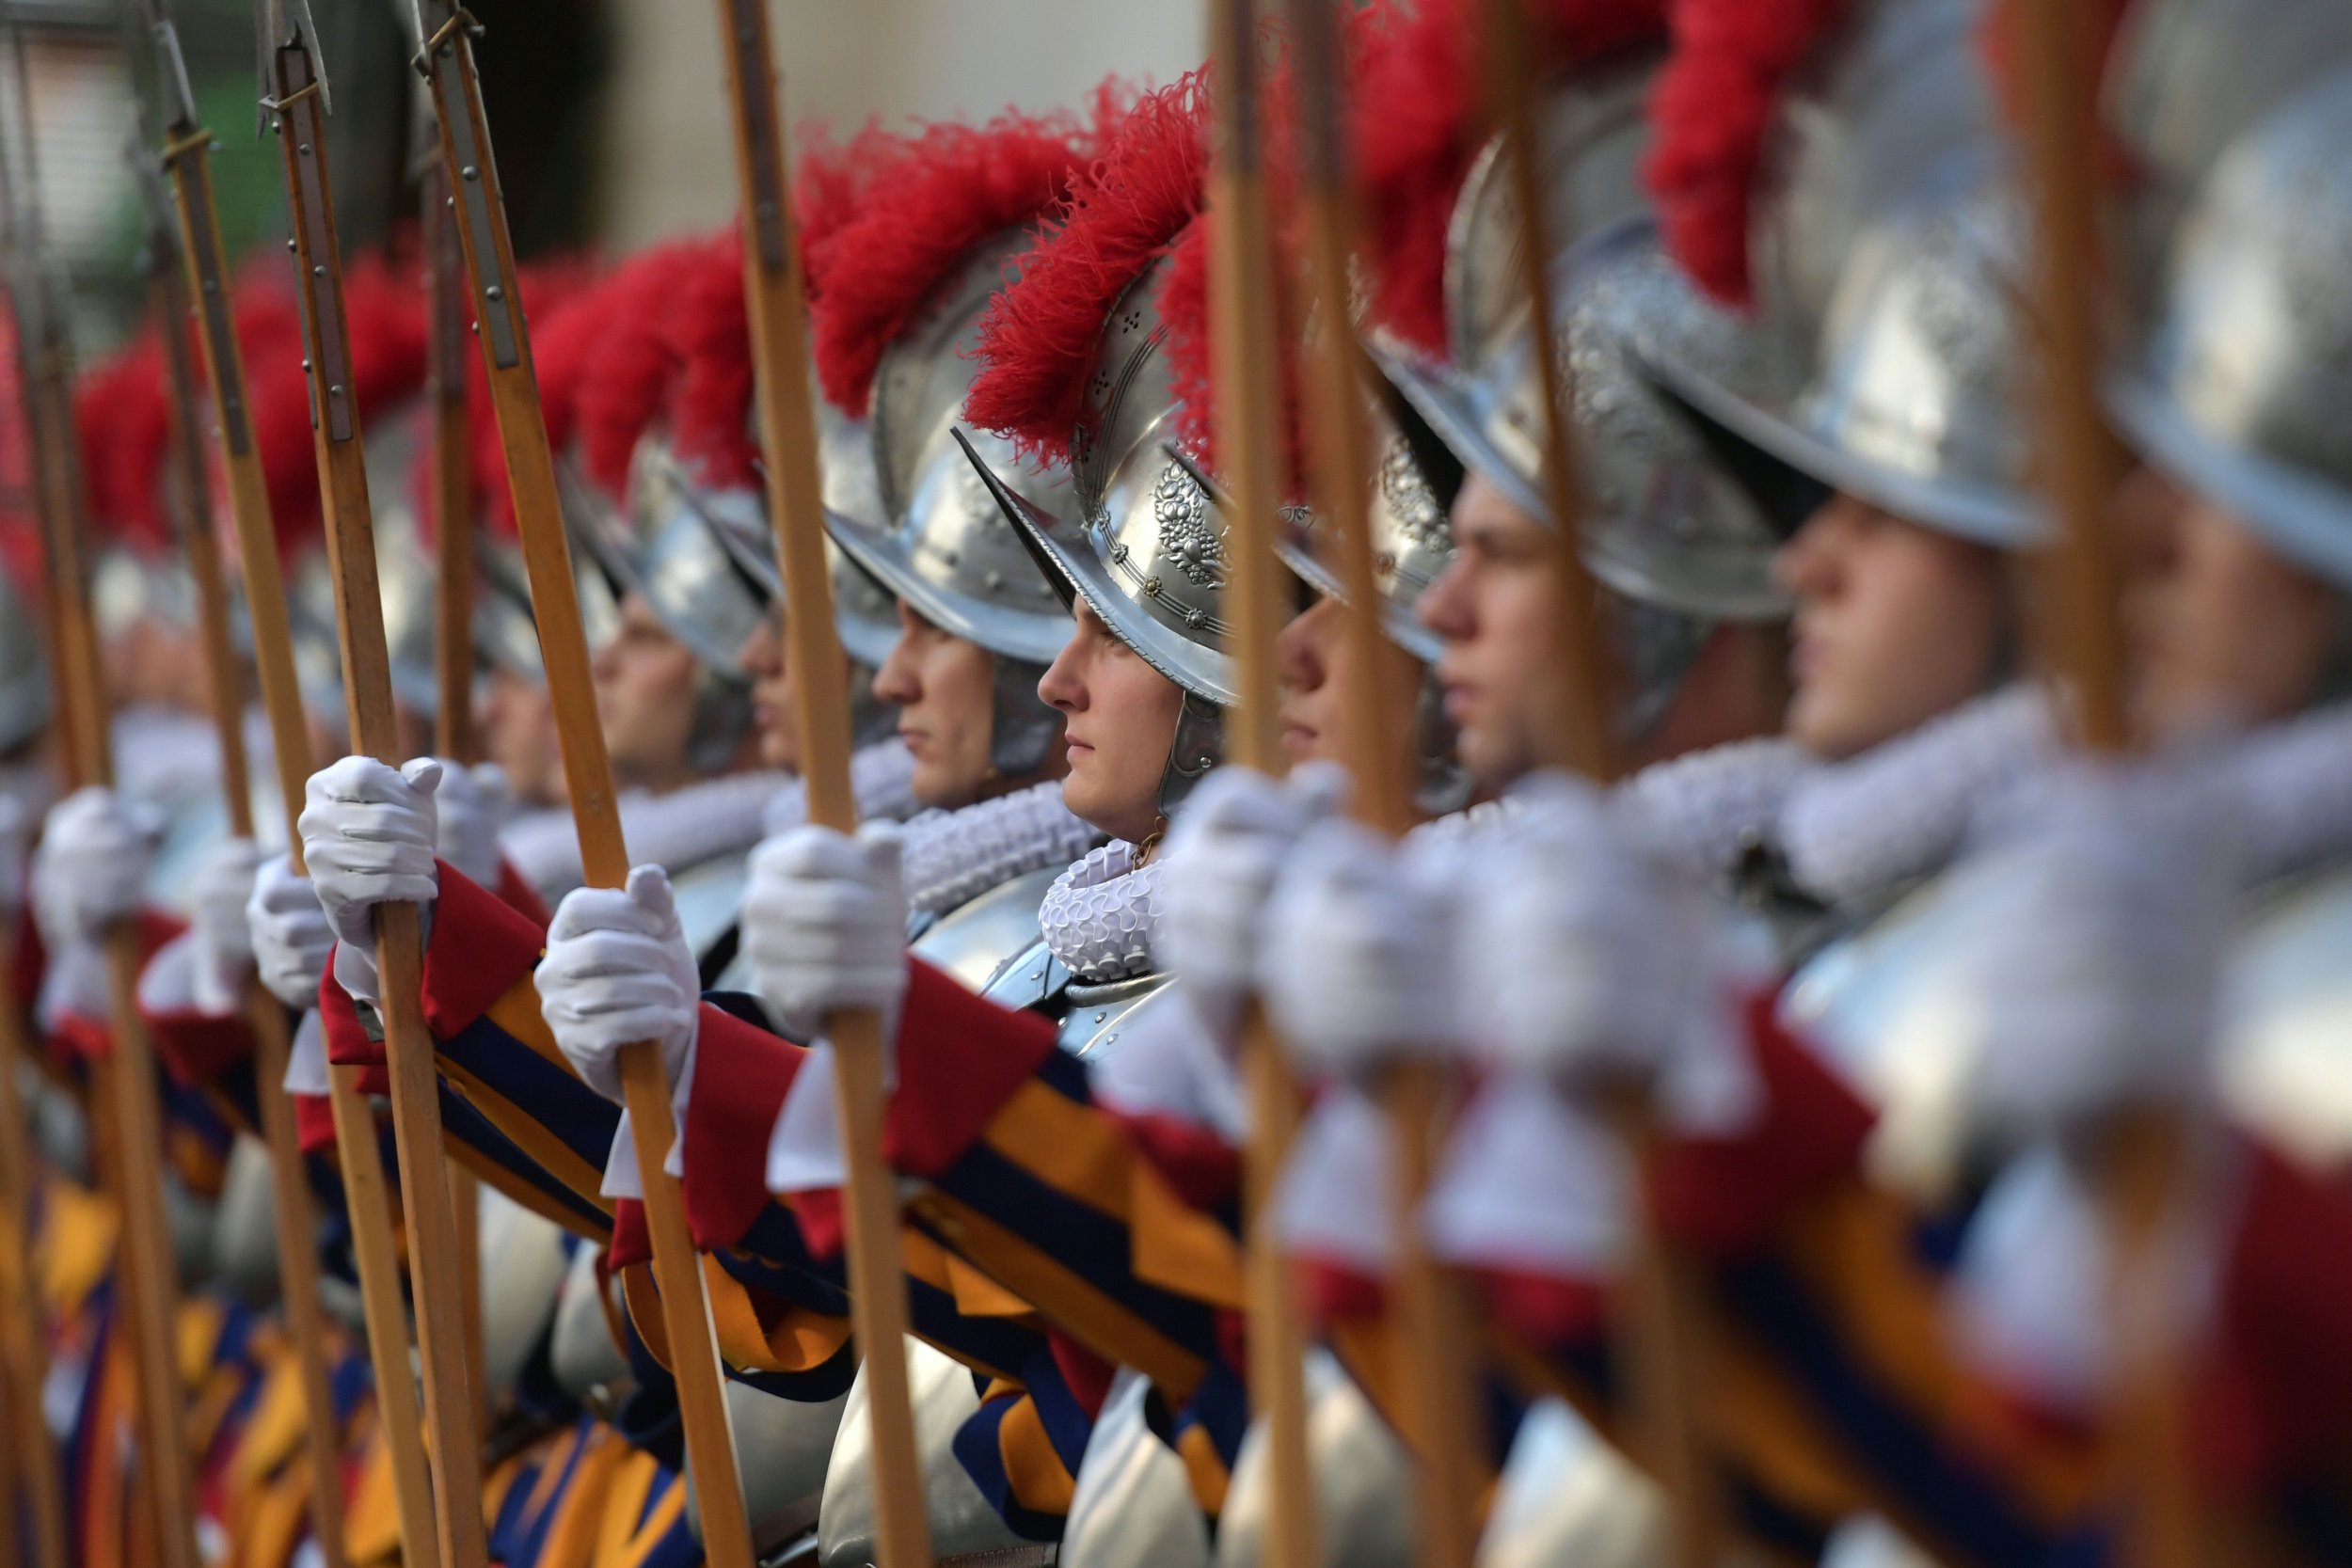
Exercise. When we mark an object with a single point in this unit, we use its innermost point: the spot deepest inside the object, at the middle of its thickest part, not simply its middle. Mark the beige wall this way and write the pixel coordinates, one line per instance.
(669, 159)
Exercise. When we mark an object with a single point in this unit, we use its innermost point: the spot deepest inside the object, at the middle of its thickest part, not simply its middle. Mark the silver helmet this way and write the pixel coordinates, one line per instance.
(941, 543)
(861, 607)
(25, 696)
(2239, 387)
(664, 552)
(1666, 527)
(2185, 77)
(1889, 248)
(1132, 530)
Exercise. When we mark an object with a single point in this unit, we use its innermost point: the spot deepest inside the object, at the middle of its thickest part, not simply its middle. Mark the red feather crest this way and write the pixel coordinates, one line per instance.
(1038, 339)
(929, 198)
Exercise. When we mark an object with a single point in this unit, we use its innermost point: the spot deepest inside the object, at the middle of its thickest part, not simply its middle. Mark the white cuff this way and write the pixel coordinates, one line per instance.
(805, 1151)
(1531, 1184)
(1334, 1200)
(306, 1064)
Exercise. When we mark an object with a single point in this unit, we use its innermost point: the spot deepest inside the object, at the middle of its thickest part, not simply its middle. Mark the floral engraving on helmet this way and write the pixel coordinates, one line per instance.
(1190, 540)
(1411, 502)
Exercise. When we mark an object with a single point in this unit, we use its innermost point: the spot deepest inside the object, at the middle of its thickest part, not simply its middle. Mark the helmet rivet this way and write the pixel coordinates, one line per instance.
(1151, 586)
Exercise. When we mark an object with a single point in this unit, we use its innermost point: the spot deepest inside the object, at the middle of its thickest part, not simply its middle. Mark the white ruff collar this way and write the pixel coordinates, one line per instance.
(2289, 790)
(1099, 916)
(1900, 810)
(952, 857)
(1708, 804)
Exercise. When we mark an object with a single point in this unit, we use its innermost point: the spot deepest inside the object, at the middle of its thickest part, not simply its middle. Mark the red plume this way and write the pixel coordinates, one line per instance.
(629, 370)
(710, 411)
(122, 420)
(1711, 109)
(1038, 339)
(928, 199)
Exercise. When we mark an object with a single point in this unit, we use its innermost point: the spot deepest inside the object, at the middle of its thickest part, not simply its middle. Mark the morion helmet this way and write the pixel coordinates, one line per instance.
(1878, 230)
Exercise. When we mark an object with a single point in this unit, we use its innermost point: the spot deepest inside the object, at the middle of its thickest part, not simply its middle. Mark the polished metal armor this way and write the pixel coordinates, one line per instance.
(1363, 1488)
(404, 573)
(780, 1450)
(245, 1226)
(2286, 1014)
(1134, 1505)
(964, 1524)
(524, 1262)
(2239, 387)
(1567, 1499)
(979, 938)
(586, 1362)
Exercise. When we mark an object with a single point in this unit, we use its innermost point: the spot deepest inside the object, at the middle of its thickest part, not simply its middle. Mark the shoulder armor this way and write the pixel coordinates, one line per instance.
(962, 1523)
(1094, 1018)
(711, 898)
(983, 937)
(192, 826)
(780, 1450)
(1893, 1008)
(2286, 1018)
(1030, 979)
(1133, 1507)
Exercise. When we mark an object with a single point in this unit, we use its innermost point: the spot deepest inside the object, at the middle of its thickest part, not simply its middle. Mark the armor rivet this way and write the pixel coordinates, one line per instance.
(318, 269)
(290, 244)
(1039, 975)
(335, 390)
(1118, 553)
(469, 172)
(1100, 1016)
(303, 147)
(1111, 1039)
(1151, 587)
(494, 294)
(306, 365)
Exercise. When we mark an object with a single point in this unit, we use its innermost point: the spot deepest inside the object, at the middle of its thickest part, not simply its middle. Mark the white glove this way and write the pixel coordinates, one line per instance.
(1579, 954)
(824, 924)
(1222, 855)
(618, 971)
(219, 889)
(16, 830)
(91, 868)
(368, 833)
(2108, 906)
(1356, 964)
(290, 934)
(474, 805)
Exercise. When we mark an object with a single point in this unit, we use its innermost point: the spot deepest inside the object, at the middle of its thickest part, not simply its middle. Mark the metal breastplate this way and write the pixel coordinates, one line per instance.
(1896, 1008)
(711, 898)
(1134, 1505)
(2285, 1061)
(781, 1448)
(963, 1526)
(981, 937)
(191, 828)
(1570, 1500)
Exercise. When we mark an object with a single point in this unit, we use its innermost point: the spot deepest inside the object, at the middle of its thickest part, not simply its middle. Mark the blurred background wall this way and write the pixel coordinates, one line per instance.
(666, 150)
(609, 116)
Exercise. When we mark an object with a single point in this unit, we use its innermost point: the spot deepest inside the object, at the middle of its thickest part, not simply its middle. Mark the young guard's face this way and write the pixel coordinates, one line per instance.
(775, 722)
(1120, 720)
(1894, 624)
(1320, 676)
(1495, 605)
(645, 690)
(2220, 631)
(944, 688)
(518, 734)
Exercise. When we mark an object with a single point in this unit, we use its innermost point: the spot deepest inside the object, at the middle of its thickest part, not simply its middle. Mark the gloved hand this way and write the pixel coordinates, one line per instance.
(2104, 911)
(1356, 964)
(472, 804)
(290, 934)
(218, 890)
(1590, 958)
(368, 833)
(91, 868)
(1228, 843)
(16, 832)
(824, 924)
(618, 971)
